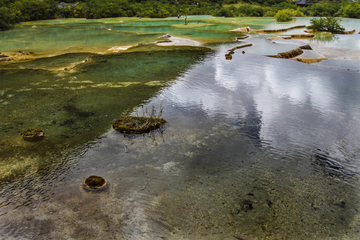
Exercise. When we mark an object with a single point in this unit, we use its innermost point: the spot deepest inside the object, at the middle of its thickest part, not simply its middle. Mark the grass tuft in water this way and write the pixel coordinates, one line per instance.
(140, 124)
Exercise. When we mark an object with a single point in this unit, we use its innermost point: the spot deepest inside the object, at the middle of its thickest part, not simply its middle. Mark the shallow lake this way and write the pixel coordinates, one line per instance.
(254, 147)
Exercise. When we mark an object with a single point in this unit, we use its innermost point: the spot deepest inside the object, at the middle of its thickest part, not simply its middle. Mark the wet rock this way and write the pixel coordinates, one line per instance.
(165, 36)
(306, 47)
(243, 29)
(290, 54)
(6, 59)
(228, 56)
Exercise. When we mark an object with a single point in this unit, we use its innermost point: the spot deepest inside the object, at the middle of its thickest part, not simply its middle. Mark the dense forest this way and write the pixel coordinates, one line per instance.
(15, 11)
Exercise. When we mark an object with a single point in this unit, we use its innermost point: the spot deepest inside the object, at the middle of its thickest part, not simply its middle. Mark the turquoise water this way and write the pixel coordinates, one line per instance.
(254, 147)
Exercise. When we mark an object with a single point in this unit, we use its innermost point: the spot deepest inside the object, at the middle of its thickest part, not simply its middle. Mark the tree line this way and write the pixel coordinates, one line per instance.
(15, 11)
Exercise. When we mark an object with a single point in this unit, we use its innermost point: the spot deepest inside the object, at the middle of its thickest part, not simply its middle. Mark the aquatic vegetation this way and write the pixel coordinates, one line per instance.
(328, 24)
(33, 134)
(144, 124)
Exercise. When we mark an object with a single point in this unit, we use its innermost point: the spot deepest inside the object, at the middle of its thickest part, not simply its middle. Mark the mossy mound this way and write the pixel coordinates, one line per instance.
(33, 134)
(95, 183)
(138, 125)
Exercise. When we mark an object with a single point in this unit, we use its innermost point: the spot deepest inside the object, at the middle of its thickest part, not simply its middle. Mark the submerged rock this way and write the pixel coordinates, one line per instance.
(165, 36)
(33, 134)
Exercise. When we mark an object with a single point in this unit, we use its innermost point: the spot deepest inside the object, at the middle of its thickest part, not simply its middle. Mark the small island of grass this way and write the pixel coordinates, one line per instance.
(33, 134)
(138, 125)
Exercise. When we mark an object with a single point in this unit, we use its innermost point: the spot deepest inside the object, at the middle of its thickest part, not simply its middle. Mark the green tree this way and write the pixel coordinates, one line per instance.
(285, 15)
(328, 24)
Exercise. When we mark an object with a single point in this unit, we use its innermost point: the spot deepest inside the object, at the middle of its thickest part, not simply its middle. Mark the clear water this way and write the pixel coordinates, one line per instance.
(254, 147)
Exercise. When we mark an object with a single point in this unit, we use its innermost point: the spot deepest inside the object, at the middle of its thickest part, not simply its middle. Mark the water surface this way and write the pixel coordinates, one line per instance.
(254, 147)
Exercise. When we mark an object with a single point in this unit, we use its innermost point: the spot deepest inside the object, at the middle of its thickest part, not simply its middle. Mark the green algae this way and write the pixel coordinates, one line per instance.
(75, 107)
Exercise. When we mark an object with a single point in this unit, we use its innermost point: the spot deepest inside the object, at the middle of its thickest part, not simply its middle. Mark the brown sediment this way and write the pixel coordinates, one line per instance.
(241, 46)
(145, 44)
(240, 38)
(350, 32)
(310, 60)
(138, 125)
(163, 41)
(16, 56)
(279, 30)
(302, 35)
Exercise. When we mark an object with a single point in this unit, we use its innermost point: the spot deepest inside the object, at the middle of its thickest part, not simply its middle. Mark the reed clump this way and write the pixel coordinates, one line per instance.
(150, 120)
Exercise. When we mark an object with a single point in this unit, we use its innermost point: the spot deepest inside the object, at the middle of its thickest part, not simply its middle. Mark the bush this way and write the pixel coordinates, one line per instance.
(285, 15)
(328, 24)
